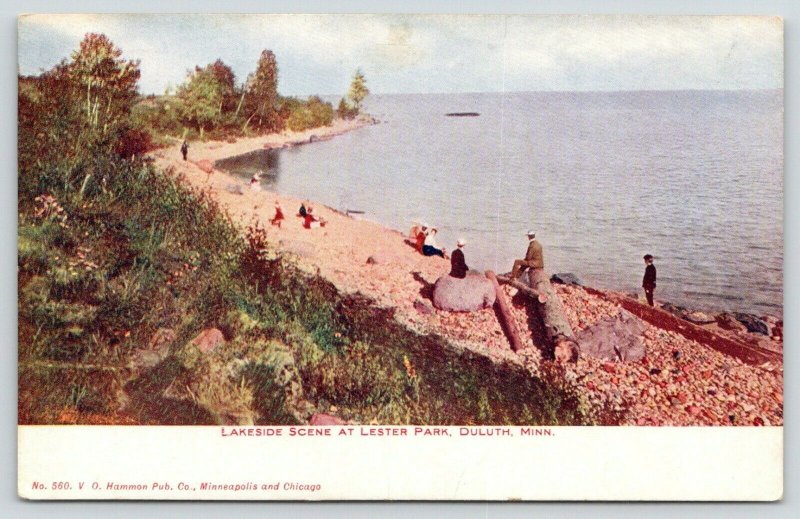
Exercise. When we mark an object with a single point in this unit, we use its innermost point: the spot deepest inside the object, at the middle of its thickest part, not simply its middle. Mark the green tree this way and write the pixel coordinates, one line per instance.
(358, 89)
(105, 81)
(200, 99)
(261, 94)
(227, 84)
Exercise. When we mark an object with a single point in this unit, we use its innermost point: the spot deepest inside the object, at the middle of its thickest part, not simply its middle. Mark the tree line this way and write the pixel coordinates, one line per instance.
(96, 91)
(211, 100)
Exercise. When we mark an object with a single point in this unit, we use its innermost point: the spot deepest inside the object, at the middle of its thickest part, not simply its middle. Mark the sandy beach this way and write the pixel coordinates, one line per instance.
(680, 381)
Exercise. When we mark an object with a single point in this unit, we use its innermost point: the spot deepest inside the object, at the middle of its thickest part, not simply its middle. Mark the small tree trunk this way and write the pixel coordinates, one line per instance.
(239, 106)
(509, 323)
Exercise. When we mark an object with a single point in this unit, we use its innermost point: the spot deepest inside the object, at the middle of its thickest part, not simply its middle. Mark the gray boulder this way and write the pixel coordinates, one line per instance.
(616, 338)
(727, 321)
(752, 323)
(156, 350)
(566, 278)
(698, 317)
(471, 293)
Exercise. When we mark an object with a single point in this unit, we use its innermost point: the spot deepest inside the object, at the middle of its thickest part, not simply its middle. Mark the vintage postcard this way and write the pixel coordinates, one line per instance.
(440, 257)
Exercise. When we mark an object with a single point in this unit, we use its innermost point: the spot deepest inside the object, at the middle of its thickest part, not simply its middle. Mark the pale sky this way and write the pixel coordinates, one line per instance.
(317, 54)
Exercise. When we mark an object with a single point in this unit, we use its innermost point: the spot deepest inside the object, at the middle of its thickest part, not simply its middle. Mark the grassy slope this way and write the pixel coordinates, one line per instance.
(113, 253)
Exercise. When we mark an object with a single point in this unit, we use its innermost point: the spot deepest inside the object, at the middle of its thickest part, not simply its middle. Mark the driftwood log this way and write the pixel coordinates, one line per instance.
(556, 325)
(504, 310)
(551, 312)
(522, 287)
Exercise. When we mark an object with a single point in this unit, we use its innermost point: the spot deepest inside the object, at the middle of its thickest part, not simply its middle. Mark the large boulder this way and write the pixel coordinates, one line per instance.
(727, 321)
(471, 293)
(616, 338)
(156, 350)
(752, 323)
(208, 340)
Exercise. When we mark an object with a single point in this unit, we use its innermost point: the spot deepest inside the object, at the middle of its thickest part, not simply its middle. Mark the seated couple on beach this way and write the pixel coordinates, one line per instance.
(309, 220)
(425, 241)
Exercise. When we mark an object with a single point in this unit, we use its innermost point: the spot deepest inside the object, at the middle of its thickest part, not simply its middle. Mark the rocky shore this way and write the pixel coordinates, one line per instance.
(692, 374)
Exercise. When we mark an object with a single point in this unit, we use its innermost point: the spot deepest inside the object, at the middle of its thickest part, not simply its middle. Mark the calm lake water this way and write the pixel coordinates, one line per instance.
(693, 177)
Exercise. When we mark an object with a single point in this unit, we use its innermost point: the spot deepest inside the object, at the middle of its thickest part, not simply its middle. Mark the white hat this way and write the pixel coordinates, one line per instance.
(426, 225)
(531, 233)
(461, 242)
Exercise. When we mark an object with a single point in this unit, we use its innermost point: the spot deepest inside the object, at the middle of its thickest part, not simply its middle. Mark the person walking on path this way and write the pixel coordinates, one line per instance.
(458, 266)
(534, 258)
(649, 280)
(184, 149)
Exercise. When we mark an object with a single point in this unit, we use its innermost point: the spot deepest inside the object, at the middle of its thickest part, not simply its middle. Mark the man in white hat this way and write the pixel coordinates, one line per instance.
(534, 258)
(458, 266)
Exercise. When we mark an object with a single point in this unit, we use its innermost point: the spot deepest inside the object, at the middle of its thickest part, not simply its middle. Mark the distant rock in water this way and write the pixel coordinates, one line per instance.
(566, 278)
(463, 295)
(463, 114)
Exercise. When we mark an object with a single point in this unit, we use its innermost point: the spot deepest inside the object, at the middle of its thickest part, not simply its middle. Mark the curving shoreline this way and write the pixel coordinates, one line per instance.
(401, 279)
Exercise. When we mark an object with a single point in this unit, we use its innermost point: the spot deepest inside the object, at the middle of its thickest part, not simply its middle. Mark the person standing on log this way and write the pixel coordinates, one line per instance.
(458, 266)
(184, 149)
(649, 280)
(534, 257)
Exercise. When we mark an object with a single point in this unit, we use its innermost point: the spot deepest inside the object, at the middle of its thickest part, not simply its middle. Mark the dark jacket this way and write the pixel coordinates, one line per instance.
(458, 264)
(649, 280)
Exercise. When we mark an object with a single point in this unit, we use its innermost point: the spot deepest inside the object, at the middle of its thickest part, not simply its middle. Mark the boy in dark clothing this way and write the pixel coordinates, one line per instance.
(458, 266)
(649, 280)
(184, 149)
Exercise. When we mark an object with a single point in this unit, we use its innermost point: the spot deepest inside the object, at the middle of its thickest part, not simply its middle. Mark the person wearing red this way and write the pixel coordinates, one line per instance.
(278, 218)
(310, 221)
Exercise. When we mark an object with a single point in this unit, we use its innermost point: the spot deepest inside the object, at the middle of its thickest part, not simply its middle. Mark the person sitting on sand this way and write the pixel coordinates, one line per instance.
(278, 218)
(422, 232)
(458, 266)
(430, 248)
(649, 280)
(534, 258)
(311, 222)
(255, 182)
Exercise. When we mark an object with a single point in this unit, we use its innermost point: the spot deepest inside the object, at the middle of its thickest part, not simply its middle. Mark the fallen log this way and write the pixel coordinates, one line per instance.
(551, 311)
(509, 324)
(522, 287)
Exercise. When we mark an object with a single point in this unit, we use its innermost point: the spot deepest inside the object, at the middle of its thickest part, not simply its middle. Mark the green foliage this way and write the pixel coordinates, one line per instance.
(201, 99)
(310, 114)
(345, 111)
(358, 89)
(260, 95)
(112, 251)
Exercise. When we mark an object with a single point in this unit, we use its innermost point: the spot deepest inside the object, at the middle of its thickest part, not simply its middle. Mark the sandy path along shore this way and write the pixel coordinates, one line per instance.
(695, 386)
